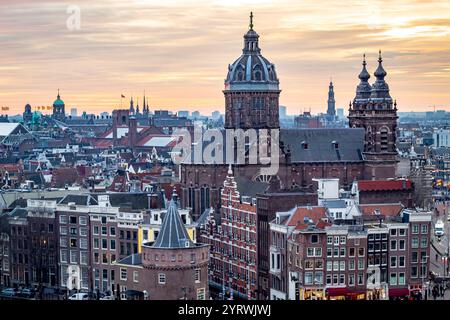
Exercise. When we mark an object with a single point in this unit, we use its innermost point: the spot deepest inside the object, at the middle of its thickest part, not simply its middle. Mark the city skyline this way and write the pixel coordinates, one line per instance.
(179, 52)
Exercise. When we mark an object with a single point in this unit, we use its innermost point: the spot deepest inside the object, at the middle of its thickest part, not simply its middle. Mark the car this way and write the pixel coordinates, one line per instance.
(26, 293)
(10, 292)
(439, 229)
(79, 296)
(108, 298)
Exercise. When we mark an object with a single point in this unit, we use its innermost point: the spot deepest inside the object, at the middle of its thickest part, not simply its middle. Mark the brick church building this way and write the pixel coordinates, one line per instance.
(365, 151)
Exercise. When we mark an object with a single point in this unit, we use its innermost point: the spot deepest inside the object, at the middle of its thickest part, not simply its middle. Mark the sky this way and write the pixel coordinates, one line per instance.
(179, 51)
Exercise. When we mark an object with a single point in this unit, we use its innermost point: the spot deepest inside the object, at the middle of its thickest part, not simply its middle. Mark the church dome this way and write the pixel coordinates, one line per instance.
(58, 102)
(251, 70)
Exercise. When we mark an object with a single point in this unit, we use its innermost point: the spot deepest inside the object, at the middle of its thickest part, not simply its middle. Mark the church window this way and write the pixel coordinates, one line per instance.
(384, 132)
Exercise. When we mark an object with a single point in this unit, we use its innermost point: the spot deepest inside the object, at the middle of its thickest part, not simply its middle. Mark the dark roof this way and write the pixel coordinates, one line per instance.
(136, 201)
(19, 213)
(133, 260)
(173, 234)
(247, 187)
(320, 147)
(79, 199)
(204, 217)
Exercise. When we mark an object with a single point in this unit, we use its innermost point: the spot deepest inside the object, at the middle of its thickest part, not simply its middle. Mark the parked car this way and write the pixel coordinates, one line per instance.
(26, 293)
(79, 296)
(10, 292)
(439, 228)
(108, 298)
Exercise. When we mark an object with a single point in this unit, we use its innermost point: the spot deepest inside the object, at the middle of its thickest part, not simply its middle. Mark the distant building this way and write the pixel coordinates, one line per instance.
(331, 110)
(196, 115)
(441, 138)
(340, 113)
(282, 112)
(184, 114)
(215, 115)
(59, 107)
(73, 112)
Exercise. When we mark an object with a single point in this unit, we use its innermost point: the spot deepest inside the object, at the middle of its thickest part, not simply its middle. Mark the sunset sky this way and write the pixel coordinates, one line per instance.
(178, 51)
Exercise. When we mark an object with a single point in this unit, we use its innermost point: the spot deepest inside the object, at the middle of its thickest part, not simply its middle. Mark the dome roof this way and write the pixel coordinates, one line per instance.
(58, 102)
(251, 71)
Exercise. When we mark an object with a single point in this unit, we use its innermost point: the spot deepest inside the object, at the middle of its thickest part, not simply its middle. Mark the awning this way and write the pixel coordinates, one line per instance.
(337, 292)
(398, 292)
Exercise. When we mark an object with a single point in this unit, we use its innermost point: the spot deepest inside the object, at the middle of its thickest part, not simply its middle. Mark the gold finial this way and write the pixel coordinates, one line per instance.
(251, 20)
(379, 56)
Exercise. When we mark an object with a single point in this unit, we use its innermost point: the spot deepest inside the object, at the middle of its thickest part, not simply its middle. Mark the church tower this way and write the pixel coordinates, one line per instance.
(331, 111)
(251, 88)
(374, 110)
(59, 106)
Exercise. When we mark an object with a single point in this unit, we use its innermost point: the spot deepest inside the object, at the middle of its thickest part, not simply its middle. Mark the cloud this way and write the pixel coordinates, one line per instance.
(179, 50)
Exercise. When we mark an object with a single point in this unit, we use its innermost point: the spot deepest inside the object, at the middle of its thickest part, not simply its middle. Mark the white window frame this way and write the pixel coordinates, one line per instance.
(162, 278)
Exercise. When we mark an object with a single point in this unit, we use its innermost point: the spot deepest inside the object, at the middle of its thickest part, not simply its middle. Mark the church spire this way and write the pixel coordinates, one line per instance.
(363, 89)
(251, 21)
(131, 105)
(380, 89)
(251, 39)
(331, 111)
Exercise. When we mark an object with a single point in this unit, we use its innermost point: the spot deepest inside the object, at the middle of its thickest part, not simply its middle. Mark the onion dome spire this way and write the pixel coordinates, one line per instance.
(363, 89)
(380, 89)
(251, 39)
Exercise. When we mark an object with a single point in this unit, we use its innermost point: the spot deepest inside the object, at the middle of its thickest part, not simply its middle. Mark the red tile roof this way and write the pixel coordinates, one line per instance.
(315, 213)
(385, 209)
(384, 185)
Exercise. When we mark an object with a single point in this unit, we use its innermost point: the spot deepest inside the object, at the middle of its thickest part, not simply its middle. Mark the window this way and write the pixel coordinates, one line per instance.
(360, 264)
(329, 240)
(424, 229)
(394, 262)
(73, 256)
(360, 278)
(62, 231)
(197, 275)
(423, 242)
(414, 272)
(83, 220)
(318, 278)
(319, 264)
(310, 252)
(309, 264)
(351, 280)
(73, 231)
(329, 266)
(343, 239)
(161, 278)
(336, 240)
(401, 278)
(336, 265)
(351, 264)
(63, 242)
(83, 243)
(342, 265)
(335, 252)
(112, 231)
(328, 278)
(308, 278)
(83, 257)
(393, 244)
(83, 232)
(401, 232)
(104, 258)
(201, 294)
(105, 244)
(393, 279)
(123, 274)
(62, 219)
(96, 243)
(361, 252)
(314, 238)
(63, 256)
(135, 276)
(342, 252)
(401, 261)
(103, 220)
(73, 220)
(73, 243)
(96, 230)
(393, 232)
(351, 252)
(401, 244)
(96, 257)
(415, 242)
(415, 229)
(335, 279)
(112, 244)
(329, 252)
(318, 252)
(414, 256)
(342, 279)
(104, 231)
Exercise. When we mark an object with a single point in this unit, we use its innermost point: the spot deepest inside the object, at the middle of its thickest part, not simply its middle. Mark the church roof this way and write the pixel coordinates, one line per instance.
(173, 234)
(324, 145)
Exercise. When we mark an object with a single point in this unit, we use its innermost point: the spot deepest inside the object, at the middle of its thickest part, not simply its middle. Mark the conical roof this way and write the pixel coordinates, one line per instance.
(173, 234)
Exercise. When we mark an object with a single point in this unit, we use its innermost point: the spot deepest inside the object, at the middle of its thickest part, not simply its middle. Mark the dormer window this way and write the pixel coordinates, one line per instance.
(305, 145)
(335, 144)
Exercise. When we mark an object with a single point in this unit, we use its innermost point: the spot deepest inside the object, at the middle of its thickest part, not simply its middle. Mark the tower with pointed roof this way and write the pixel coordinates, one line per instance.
(331, 110)
(374, 110)
(251, 88)
(131, 105)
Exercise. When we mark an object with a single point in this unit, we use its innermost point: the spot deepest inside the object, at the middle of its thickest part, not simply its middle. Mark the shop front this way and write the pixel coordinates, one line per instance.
(312, 294)
(398, 293)
(377, 294)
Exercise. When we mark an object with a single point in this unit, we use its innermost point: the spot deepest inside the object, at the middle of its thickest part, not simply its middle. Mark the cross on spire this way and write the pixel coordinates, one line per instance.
(251, 20)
